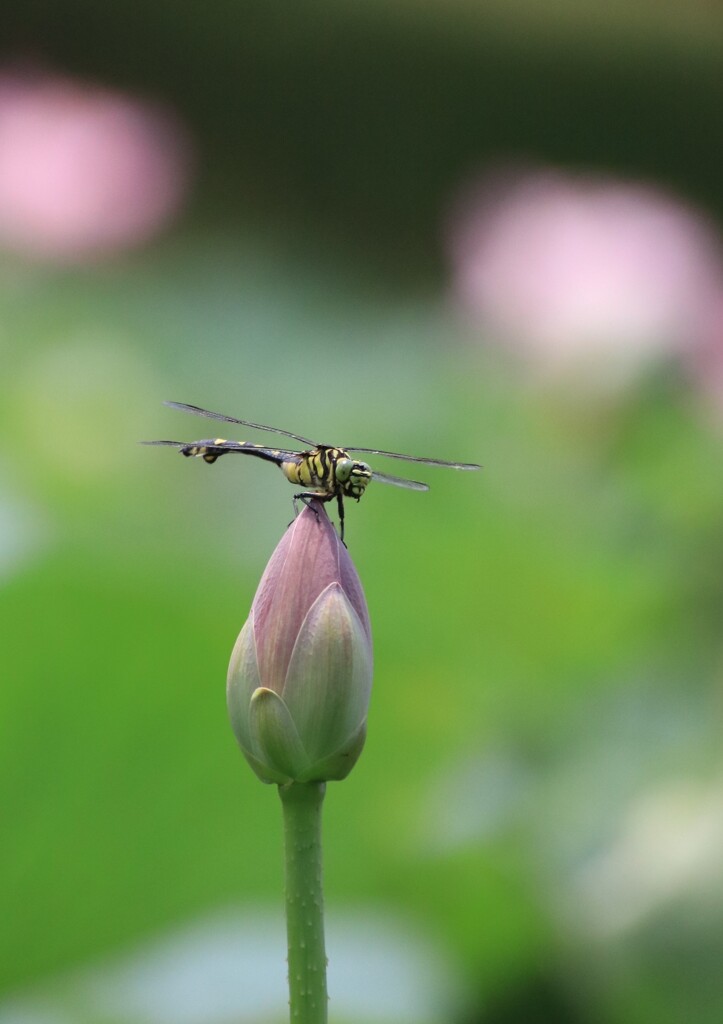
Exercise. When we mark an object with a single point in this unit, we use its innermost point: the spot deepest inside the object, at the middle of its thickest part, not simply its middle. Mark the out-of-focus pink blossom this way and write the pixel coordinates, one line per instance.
(84, 171)
(584, 272)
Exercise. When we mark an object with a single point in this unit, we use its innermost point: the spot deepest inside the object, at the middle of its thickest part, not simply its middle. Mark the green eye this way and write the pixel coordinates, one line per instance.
(343, 469)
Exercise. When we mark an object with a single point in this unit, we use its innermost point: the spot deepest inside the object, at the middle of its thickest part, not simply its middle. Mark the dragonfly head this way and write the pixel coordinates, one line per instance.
(352, 476)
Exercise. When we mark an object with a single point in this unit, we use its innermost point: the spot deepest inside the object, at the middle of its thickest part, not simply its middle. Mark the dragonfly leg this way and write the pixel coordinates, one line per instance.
(308, 498)
(340, 506)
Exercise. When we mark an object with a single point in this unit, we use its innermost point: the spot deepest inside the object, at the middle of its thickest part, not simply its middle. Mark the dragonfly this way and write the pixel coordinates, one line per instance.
(324, 472)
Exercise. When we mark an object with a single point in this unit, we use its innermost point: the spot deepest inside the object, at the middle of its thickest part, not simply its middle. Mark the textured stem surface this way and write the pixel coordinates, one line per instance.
(301, 804)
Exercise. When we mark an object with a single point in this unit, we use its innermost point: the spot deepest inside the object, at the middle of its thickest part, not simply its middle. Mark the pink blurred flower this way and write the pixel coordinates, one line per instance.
(84, 171)
(588, 272)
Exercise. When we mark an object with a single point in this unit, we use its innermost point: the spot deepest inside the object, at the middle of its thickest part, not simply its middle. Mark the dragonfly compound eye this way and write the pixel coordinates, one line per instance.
(343, 469)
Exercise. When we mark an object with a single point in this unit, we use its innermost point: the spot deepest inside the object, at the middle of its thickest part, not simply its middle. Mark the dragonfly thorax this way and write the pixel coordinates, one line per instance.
(329, 471)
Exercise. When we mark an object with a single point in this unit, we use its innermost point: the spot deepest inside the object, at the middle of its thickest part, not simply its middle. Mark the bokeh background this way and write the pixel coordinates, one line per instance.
(479, 232)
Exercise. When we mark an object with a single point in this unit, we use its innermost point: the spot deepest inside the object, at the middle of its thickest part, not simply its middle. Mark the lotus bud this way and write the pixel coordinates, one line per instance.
(300, 675)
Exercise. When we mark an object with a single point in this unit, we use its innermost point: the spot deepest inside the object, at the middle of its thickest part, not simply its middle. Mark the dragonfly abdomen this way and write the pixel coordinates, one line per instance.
(214, 448)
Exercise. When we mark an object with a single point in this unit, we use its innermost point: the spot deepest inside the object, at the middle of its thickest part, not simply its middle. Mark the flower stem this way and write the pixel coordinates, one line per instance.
(301, 803)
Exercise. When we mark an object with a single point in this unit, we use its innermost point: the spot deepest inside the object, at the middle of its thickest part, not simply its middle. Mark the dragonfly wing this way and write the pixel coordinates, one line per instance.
(414, 458)
(197, 411)
(259, 450)
(173, 444)
(214, 448)
(398, 481)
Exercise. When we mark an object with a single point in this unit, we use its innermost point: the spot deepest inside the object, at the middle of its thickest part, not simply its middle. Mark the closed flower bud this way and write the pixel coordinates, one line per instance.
(301, 671)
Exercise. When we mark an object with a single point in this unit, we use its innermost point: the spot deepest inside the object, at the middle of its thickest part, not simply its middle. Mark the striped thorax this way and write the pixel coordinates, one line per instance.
(330, 471)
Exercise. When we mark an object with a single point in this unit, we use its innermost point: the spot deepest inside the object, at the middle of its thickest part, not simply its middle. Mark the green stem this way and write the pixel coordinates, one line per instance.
(301, 803)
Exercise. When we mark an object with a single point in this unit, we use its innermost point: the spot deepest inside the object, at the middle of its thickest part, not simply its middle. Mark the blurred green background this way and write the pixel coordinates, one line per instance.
(534, 831)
